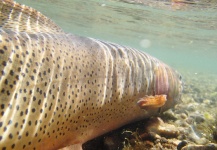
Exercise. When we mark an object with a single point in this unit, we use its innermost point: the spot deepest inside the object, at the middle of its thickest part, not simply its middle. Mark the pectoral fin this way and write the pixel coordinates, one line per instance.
(152, 101)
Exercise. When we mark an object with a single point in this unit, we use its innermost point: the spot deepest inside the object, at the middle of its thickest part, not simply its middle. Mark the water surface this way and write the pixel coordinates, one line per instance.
(182, 35)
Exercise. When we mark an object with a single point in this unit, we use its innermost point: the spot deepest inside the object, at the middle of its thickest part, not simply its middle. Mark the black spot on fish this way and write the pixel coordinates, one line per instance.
(10, 136)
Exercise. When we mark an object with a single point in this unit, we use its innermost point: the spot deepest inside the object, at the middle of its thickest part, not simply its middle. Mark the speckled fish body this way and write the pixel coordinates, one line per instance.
(58, 89)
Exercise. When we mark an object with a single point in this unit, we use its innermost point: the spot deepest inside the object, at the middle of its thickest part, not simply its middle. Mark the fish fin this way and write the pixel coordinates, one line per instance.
(152, 101)
(73, 147)
(21, 18)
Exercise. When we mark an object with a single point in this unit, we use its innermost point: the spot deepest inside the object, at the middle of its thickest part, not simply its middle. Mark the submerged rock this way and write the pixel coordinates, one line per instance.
(156, 125)
(214, 135)
(210, 146)
(181, 145)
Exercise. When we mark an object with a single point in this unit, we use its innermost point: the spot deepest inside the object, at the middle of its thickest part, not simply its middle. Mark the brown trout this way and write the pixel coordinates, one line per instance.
(59, 89)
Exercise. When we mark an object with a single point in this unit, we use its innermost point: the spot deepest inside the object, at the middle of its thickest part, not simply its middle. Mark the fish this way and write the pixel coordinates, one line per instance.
(60, 90)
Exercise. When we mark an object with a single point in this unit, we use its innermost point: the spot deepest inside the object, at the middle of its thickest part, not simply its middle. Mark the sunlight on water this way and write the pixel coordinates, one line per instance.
(182, 35)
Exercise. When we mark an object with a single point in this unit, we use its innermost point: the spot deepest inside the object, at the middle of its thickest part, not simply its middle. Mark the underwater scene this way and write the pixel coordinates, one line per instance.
(180, 33)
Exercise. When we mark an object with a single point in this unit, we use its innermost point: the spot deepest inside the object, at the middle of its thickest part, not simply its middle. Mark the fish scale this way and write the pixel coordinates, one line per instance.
(59, 89)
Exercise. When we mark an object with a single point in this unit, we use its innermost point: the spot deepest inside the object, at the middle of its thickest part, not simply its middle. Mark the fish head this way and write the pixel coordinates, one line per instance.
(168, 81)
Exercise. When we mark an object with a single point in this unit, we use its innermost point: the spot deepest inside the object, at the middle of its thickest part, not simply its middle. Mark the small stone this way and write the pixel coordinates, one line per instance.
(157, 126)
(157, 141)
(198, 118)
(182, 137)
(183, 116)
(170, 115)
(191, 107)
(184, 124)
(210, 146)
(189, 120)
(202, 141)
(175, 142)
(154, 136)
(181, 145)
(163, 140)
(214, 135)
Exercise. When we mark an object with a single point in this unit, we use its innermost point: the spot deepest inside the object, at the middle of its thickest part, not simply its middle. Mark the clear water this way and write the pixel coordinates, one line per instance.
(182, 35)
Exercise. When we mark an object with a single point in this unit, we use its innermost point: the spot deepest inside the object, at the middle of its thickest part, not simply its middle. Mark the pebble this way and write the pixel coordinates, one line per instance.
(182, 144)
(189, 120)
(214, 134)
(170, 115)
(183, 116)
(210, 146)
(198, 118)
(157, 126)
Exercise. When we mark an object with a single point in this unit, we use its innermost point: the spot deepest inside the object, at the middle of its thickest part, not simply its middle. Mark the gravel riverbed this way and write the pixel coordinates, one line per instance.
(190, 125)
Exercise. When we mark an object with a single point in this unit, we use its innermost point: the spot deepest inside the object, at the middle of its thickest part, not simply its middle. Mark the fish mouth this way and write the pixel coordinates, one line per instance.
(176, 88)
(168, 82)
(174, 95)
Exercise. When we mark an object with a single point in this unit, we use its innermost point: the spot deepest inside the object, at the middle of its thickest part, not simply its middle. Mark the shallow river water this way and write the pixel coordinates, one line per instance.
(182, 34)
